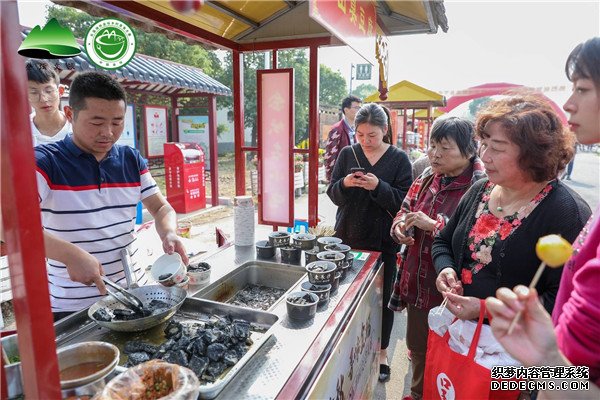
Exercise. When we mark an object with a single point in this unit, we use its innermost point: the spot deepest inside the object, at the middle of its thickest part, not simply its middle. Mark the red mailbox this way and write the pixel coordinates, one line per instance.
(184, 175)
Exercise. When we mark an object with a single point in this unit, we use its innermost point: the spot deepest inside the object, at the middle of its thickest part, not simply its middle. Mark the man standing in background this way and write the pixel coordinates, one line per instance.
(48, 123)
(341, 134)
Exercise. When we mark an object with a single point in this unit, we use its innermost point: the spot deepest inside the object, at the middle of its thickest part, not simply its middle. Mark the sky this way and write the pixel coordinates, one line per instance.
(521, 42)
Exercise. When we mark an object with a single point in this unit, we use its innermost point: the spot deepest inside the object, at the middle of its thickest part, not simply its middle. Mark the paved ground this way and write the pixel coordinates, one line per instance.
(585, 181)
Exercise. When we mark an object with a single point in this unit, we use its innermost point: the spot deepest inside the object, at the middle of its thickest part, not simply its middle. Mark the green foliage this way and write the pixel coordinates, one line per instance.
(332, 87)
(152, 44)
(364, 90)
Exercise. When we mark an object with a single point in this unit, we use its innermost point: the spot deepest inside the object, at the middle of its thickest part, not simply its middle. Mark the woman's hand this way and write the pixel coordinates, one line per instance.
(367, 181)
(447, 281)
(463, 307)
(399, 234)
(420, 220)
(352, 180)
(532, 341)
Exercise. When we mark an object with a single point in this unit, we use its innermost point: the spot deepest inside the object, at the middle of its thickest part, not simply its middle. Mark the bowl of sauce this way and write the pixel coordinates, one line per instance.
(82, 363)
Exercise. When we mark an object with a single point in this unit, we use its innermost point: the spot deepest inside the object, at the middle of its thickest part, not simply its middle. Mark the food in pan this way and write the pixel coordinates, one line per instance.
(208, 349)
(124, 314)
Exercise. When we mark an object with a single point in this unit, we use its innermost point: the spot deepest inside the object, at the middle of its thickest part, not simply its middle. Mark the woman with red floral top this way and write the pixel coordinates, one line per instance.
(490, 240)
(430, 201)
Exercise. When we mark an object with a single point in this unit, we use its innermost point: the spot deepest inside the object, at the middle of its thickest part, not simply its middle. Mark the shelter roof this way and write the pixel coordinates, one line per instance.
(145, 73)
(236, 24)
(410, 95)
(422, 114)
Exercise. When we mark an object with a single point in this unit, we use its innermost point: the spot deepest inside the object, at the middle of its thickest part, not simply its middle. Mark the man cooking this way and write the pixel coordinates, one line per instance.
(88, 190)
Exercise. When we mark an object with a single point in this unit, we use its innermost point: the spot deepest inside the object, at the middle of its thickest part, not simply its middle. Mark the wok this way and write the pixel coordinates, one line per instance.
(174, 296)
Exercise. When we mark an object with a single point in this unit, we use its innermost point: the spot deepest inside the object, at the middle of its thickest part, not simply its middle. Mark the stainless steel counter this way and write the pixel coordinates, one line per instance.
(267, 373)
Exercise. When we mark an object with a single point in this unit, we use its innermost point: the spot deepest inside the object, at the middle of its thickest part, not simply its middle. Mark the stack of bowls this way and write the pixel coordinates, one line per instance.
(320, 290)
(334, 257)
(327, 240)
(321, 272)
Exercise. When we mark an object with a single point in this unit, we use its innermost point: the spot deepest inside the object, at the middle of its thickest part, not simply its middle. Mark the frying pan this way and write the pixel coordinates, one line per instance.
(174, 296)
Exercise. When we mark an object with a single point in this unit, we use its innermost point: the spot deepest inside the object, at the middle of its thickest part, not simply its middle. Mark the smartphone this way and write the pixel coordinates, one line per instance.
(357, 171)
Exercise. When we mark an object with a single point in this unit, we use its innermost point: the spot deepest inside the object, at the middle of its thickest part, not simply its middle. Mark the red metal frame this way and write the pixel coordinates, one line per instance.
(148, 156)
(313, 136)
(297, 382)
(259, 100)
(214, 151)
(22, 222)
(238, 121)
(289, 44)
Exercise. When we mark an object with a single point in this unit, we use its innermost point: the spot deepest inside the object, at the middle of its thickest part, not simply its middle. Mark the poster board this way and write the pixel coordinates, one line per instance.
(195, 129)
(275, 112)
(128, 137)
(155, 132)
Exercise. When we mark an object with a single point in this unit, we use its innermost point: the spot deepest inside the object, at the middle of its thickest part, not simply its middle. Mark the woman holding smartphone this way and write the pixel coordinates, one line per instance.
(368, 183)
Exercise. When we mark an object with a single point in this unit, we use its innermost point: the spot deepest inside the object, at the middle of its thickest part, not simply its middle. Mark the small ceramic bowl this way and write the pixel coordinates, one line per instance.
(168, 269)
(327, 240)
(185, 285)
(340, 248)
(311, 255)
(333, 256)
(302, 305)
(290, 255)
(264, 249)
(279, 239)
(199, 274)
(304, 241)
(320, 290)
(321, 272)
(336, 282)
(350, 259)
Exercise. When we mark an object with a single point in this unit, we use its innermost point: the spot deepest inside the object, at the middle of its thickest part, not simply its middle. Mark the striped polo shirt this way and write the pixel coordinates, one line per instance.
(92, 205)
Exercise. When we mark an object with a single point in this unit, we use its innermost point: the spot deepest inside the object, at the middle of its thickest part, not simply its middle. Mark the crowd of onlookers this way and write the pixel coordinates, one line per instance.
(460, 226)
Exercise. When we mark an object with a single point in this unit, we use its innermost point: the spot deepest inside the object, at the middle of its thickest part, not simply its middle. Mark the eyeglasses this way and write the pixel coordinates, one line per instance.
(49, 94)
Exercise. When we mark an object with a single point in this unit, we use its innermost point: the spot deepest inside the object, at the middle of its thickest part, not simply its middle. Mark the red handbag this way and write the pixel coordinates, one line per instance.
(450, 375)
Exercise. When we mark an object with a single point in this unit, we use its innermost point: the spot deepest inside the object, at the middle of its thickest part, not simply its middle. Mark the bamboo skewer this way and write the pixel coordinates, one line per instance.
(534, 282)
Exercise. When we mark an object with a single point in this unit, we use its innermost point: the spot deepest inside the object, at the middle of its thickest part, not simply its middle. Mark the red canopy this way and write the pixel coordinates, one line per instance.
(491, 89)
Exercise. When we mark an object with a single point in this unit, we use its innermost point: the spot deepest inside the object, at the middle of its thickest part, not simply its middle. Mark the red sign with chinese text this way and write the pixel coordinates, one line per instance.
(352, 21)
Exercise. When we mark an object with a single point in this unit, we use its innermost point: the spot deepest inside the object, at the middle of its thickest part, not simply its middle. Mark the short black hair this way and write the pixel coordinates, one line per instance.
(458, 129)
(347, 102)
(584, 61)
(41, 72)
(94, 84)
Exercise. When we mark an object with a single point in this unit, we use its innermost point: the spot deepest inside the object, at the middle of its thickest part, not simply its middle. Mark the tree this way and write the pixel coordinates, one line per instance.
(332, 87)
(364, 90)
(152, 44)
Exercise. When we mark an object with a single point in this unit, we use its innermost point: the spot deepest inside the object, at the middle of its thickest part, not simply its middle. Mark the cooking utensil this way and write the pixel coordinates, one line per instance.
(123, 296)
(173, 296)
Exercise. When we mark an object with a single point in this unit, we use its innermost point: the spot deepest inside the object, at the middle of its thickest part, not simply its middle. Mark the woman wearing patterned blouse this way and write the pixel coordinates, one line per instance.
(490, 240)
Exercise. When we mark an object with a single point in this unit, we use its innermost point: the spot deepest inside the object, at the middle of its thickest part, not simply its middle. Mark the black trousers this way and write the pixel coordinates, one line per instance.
(387, 315)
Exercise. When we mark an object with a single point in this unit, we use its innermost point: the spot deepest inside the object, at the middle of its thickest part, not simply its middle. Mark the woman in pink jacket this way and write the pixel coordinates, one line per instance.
(575, 339)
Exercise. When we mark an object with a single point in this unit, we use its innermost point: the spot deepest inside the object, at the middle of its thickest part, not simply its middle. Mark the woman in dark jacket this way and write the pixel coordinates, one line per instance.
(367, 201)
(490, 240)
(430, 201)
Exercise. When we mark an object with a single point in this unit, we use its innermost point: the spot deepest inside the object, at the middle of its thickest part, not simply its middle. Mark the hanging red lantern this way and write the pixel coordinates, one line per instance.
(187, 6)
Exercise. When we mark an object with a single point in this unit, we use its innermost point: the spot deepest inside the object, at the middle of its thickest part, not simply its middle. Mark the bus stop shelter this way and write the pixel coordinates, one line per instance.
(236, 26)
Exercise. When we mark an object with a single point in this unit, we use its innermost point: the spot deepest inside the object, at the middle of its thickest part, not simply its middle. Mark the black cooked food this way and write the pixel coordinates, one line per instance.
(102, 315)
(201, 266)
(257, 297)
(301, 300)
(124, 314)
(208, 349)
(164, 276)
(135, 346)
(137, 358)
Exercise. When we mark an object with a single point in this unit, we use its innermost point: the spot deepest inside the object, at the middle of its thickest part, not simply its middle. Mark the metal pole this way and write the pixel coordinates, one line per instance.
(313, 136)
(214, 151)
(238, 122)
(351, 77)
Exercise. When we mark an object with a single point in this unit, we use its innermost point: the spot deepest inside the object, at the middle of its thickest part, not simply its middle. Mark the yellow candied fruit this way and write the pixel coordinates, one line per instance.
(553, 250)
